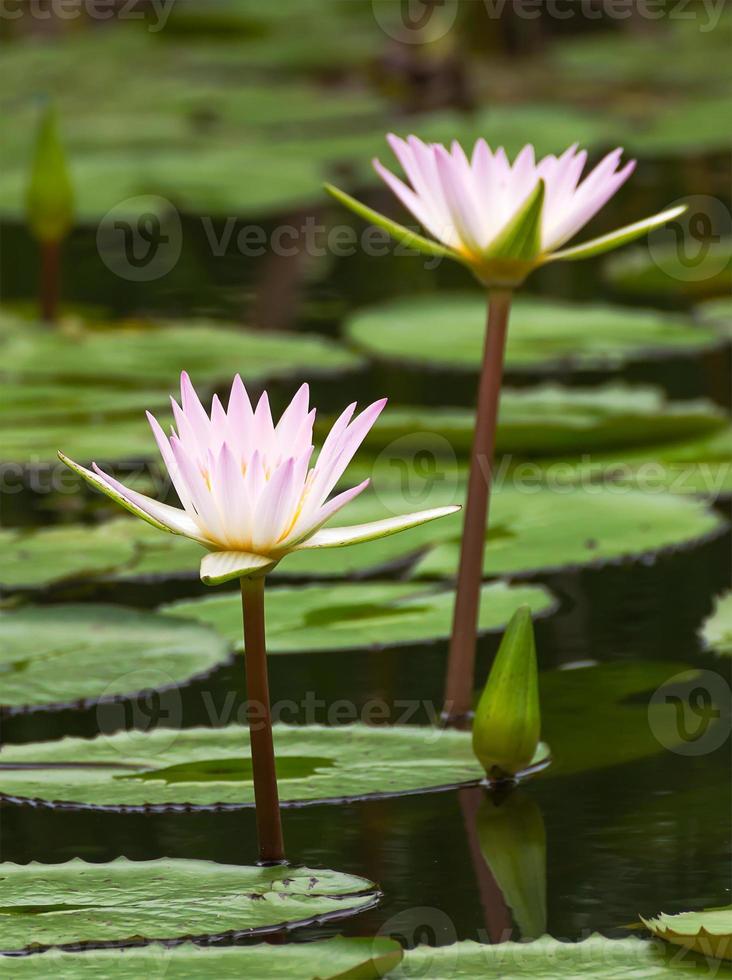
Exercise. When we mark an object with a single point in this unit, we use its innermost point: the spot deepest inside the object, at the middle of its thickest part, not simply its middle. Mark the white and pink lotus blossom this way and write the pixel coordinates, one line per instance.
(502, 219)
(249, 490)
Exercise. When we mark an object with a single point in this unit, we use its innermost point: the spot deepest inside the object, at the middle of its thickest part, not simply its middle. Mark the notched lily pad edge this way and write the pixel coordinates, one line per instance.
(373, 896)
(486, 782)
(84, 704)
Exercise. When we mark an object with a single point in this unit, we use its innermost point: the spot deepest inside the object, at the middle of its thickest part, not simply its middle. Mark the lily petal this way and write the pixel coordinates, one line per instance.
(161, 516)
(337, 537)
(223, 566)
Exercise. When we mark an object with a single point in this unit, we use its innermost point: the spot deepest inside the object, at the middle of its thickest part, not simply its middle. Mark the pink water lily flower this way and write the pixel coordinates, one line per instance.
(248, 489)
(502, 219)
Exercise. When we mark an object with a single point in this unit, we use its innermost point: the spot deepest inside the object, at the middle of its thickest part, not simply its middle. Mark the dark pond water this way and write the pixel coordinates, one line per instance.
(638, 838)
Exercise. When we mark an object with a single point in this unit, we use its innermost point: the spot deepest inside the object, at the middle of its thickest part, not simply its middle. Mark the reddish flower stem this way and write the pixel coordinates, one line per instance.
(461, 661)
(269, 823)
(49, 283)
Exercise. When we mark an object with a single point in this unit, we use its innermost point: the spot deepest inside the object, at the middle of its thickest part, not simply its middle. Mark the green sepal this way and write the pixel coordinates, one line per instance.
(403, 235)
(50, 195)
(507, 722)
(520, 240)
(616, 238)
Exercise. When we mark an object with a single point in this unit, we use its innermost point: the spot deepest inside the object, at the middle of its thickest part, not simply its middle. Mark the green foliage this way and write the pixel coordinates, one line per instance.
(717, 629)
(61, 653)
(708, 932)
(507, 722)
(326, 959)
(52, 904)
(208, 766)
(358, 616)
(447, 331)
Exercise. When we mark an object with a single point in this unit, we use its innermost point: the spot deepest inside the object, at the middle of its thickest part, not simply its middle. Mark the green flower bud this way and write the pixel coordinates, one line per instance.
(507, 722)
(50, 196)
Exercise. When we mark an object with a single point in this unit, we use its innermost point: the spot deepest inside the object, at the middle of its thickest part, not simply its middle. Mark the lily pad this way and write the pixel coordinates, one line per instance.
(48, 556)
(717, 312)
(58, 654)
(326, 959)
(668, 271)
(75, 902)
(708, 932)
(597, 716)
(358, 616)
(549, 420)
(211, 767)
(701, 466)
(596, 958)
(564, 527)
(717, 629)
(155, 355)
(26, 404)
(542, 336)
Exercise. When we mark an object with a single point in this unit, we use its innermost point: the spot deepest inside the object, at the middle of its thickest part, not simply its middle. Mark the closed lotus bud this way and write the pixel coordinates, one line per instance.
(50, 196)
(507, 722)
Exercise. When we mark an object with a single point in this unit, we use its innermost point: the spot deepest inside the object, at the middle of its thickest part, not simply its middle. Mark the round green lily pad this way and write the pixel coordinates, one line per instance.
(546, 529)
(156, 355)
(717, 629)
(701, 465)
(549, 420)
(667, 271)
(76, 902)
(56, 654)
(211, 767)
(52, 555)
(447, 331)
(596, 958)
(358, 616)
(338, 956)
(708, 932)
(26, 404)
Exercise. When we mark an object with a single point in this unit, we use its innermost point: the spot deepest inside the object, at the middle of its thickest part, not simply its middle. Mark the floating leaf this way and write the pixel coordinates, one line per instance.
(708, 932)
(567, 526)
(598, 716)
(155, 355)
(542, 335)
(717, 629)
(53, 555)
(694, 269)
(75, 902)
(66, 653)
(325, 959)
(596, 958)
(210, 766)
(358, 616)
(701, 465)
(549, 420)
(717, 312)
(507, 721)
